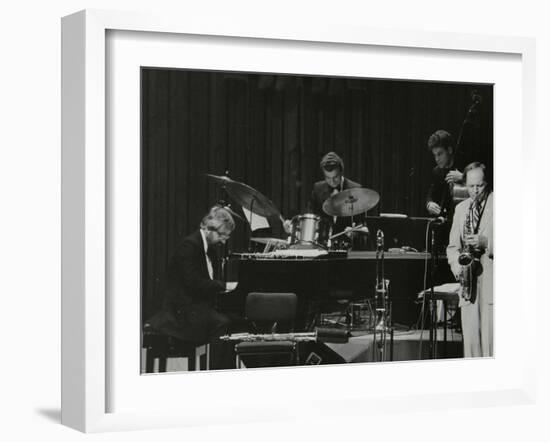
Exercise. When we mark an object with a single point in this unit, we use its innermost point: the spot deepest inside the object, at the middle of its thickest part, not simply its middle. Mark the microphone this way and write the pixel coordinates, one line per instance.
(379, 239)
(476, 97)
(476, 100)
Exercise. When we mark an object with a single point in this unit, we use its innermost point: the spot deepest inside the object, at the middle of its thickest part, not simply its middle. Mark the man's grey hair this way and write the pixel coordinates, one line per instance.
(217, 217)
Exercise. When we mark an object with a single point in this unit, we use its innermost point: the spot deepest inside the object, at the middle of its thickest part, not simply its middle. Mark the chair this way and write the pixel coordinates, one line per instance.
(162, 347)
(268, 313)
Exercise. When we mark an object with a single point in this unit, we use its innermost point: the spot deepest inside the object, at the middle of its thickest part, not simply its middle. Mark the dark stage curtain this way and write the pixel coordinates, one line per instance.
(270, 131)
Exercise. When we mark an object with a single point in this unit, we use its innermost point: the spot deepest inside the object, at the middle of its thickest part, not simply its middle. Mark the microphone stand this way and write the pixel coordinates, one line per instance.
(383, 317)
(434, 223)
(225, 247)
(476, 101)
(352, 235)
(432, 301)
(250, 222)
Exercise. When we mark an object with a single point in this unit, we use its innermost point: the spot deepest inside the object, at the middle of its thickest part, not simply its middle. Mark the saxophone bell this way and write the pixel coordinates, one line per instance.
(468, 255)
(465, 258)
(470, 271)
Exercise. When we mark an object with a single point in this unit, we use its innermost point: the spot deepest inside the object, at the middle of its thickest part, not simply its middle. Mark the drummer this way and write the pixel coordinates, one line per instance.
(332, 167)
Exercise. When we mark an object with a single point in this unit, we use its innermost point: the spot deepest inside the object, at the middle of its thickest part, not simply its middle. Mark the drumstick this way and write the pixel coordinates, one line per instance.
(352, 229)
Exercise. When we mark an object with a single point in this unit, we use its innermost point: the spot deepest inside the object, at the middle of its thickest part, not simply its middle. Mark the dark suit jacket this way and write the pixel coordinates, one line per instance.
(189, 293)
(187, 277)
(321, 191)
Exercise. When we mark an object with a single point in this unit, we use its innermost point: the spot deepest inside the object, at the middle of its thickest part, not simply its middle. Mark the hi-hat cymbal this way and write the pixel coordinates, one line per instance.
(351, 202)
(247, 196)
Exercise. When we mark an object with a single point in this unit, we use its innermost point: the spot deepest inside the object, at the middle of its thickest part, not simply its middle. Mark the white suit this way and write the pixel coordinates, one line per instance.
(477, 316)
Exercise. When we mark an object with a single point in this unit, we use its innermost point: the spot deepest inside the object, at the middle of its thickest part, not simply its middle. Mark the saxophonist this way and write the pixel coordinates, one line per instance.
(470, 256)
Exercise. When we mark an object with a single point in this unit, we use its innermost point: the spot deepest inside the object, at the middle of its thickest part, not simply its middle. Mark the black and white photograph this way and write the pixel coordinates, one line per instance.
(274, 221)
(291, 220)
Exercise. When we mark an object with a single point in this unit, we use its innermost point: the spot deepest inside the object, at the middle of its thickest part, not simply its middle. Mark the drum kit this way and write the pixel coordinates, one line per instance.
(305, 228)
(305, 236)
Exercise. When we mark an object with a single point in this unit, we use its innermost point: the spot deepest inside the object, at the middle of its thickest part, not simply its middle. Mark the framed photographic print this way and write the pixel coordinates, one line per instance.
(273, 216)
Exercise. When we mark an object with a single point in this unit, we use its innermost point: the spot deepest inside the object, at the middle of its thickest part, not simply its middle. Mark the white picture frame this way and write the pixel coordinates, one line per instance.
(86, 203)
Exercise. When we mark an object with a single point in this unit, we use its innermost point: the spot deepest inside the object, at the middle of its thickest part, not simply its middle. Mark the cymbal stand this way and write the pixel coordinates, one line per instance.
(350, 201)
(351, 237)
(330, 237)
(250, 223)
(223, 195)
(222, 202)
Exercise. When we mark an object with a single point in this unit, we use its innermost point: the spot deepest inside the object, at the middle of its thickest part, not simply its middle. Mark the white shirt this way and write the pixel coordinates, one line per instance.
(208, 261)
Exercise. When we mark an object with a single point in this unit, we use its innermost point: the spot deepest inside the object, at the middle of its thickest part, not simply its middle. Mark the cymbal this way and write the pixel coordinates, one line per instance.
(247, 196)
(221, 179)
(351, 202)
(277, 241)
(251, 199)
(231, 211)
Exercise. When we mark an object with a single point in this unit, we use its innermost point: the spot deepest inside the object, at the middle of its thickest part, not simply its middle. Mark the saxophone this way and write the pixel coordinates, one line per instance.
(469, 257)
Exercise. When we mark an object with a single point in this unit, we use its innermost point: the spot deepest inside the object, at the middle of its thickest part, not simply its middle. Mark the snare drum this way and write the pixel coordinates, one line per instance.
(305, 228)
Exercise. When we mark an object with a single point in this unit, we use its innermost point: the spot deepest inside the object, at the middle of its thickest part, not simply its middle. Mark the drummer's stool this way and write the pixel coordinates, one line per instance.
(163, 353)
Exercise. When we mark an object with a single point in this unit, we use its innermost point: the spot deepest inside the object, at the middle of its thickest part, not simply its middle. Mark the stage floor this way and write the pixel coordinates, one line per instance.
(408, 345)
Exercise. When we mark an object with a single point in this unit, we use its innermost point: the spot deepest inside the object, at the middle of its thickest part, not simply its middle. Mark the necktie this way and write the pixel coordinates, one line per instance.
(476, 212)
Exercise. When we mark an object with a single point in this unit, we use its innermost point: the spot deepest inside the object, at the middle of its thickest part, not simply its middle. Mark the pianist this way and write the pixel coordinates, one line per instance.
(188, 311)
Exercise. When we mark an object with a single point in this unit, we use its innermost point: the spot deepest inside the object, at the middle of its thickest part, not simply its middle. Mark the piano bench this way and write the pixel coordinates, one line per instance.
(162, 353)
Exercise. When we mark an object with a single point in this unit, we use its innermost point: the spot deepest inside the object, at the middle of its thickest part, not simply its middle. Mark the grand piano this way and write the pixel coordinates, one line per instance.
(320, 282)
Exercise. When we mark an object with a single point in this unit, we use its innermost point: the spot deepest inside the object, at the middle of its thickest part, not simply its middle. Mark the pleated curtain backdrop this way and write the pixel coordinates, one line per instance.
(270, 132)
